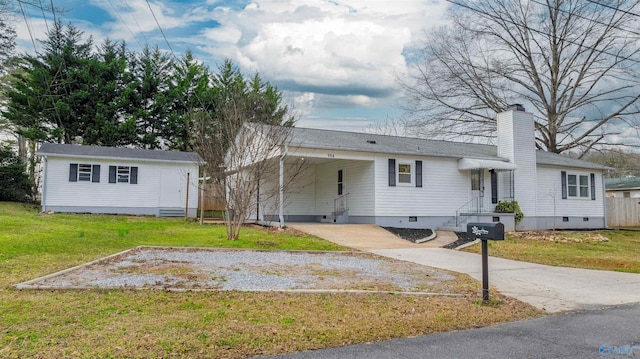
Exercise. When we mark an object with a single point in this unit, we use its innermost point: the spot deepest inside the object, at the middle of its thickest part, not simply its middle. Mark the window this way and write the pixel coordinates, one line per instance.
(578, 186)
(626, 194)
(340, 183)
(476, 180)
(404, 173)
(84, 172)
(123, 174)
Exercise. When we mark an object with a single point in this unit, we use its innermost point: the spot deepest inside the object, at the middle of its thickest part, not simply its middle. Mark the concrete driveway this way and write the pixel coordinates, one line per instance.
(554, 289)
(366, 237)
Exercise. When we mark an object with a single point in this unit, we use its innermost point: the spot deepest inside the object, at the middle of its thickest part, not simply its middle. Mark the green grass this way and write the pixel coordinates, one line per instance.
(50, 242)
(621, 253)
(157, 324)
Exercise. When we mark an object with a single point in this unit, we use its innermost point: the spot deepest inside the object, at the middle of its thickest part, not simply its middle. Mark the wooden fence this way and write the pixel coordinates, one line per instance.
(211, 200)
(623, 212)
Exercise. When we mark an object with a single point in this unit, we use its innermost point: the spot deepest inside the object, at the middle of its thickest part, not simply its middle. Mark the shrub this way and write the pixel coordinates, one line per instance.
(14, 181)
(510, 207)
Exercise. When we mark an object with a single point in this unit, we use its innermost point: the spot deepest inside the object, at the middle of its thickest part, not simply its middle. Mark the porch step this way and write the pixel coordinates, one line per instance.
(171, 212)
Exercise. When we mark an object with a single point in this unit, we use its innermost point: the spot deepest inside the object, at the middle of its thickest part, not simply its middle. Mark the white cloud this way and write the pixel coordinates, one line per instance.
(352, 47)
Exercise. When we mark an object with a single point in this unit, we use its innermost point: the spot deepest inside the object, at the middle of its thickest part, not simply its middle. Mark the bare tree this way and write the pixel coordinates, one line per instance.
(250, 173)
(625, 163)
(574, 63)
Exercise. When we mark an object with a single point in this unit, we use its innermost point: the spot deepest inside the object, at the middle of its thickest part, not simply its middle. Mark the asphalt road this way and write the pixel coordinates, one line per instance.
(609, 332)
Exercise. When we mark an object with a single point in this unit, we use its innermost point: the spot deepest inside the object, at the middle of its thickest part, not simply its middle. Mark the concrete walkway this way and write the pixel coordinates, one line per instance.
(366, 237)
(554, 289)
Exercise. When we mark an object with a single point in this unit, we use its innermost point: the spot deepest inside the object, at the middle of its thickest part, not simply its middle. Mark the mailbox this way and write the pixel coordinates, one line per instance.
(493, 231)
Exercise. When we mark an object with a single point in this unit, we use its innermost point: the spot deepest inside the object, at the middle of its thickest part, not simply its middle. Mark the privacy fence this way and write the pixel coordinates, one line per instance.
(623, 212)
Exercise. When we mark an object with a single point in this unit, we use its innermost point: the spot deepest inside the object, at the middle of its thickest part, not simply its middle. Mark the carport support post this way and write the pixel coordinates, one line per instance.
(485, 271)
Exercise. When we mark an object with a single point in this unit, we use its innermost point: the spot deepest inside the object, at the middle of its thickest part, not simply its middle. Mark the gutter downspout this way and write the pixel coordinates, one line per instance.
(281, 192)
(43, 200)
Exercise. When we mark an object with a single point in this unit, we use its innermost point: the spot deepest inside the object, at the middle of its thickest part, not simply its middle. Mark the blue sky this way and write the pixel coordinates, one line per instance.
(337, 62)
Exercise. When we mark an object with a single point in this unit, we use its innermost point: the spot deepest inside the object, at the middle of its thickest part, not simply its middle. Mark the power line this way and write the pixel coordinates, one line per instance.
(592, 20)
(614, 8)
(542, 32)
(29, 29)
(124, 22)
(160, 27)
(137, 23)
(46, 23)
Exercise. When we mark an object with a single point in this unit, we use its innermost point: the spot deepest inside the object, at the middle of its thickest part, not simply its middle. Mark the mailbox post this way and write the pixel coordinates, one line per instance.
(484, 232)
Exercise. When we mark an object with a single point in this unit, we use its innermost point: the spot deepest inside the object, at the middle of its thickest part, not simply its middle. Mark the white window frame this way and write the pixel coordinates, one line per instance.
(123, 174)
(578, 186)
(411, 173)
(85, 172)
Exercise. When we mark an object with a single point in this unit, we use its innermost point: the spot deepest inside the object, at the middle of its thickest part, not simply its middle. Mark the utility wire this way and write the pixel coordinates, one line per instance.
(542, 32)
(160, 27)
(592, 20)
(137, 23)
(29, 29)
(124, 22)
(614, 8)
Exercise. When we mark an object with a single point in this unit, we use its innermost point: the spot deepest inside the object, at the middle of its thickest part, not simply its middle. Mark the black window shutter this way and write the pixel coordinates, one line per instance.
(563, 180)
(73, 172)
(112, 174)
(133, 176)
(95, 173)
(392, 172)
(593, 186)
(418, 173)
(494, 186)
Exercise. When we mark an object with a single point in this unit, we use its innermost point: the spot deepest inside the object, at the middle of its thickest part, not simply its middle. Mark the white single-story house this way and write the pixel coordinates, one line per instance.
(418, 183)
(97, 179)
(625, 187)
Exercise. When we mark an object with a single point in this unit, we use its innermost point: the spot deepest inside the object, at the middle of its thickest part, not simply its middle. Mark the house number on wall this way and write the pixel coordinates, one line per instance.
(331, 155)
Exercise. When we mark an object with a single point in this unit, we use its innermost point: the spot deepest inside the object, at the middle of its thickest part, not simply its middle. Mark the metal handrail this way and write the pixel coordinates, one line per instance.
(467, 208)
(340, 204)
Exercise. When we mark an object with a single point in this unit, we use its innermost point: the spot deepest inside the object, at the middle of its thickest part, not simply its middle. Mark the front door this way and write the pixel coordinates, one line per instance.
(477, 189)
(172, 182)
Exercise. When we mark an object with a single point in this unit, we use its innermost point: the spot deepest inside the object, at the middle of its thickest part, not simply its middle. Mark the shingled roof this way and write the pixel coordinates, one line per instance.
(365, 142)
(624, 183)
(117, 152)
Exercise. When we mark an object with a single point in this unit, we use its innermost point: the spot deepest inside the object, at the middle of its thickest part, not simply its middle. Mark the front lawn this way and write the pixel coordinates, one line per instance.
(154, 323)
(571, 249)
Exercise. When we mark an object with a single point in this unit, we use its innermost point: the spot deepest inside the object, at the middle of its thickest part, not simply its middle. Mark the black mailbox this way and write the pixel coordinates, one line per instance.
(494, 231)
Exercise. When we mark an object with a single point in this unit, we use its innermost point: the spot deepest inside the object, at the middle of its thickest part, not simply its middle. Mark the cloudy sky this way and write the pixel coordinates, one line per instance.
(336, 61)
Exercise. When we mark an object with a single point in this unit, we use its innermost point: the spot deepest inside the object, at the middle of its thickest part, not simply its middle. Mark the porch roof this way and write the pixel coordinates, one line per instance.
(474, 163)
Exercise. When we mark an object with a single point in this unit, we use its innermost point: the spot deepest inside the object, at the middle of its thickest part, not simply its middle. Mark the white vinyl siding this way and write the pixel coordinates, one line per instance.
(358, 181)
(444, 188)
(147, 194)
(550, 192)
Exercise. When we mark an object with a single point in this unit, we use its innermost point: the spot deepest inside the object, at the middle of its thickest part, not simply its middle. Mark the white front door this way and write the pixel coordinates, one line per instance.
(172, 187)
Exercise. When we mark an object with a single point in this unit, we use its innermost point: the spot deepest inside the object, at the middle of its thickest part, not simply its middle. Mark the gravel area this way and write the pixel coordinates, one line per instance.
(248, 270)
